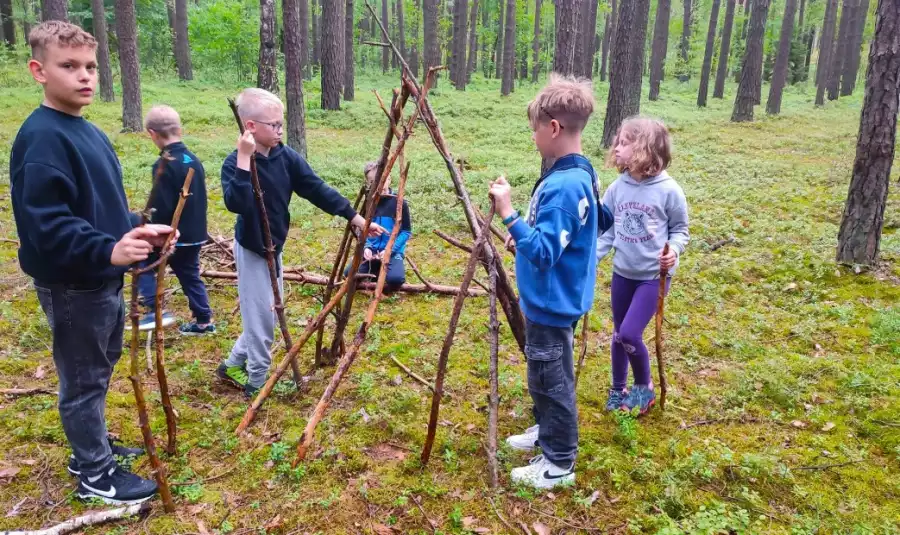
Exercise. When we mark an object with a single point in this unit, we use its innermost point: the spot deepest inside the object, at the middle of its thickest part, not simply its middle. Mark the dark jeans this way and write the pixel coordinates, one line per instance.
(396, 274)
(87, 325)
(185, 263)
(551, 383)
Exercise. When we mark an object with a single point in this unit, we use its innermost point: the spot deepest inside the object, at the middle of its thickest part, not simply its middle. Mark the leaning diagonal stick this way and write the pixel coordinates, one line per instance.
(458, 302)
(270, 248)
(171, 427)
(494, 398)
(348, 358)
(584, 346)
(660, 358)
(159, 471)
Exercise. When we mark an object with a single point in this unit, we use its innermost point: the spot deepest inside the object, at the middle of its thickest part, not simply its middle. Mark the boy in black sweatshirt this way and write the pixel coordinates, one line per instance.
(169, 172)
(77, 240)
(282, 172)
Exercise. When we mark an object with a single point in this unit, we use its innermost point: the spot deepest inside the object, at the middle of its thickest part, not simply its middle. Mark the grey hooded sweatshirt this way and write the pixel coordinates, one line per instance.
(647, 215)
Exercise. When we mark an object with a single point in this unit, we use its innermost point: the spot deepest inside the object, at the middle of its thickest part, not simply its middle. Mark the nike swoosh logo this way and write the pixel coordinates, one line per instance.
(546, 475)
(94, 478)
(105, 493)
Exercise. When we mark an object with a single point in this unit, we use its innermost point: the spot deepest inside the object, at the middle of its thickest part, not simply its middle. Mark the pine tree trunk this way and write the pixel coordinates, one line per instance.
(638, 53)
(401, 28)
(757, 81)
(509, 49)
(268, 58)
(485, 21)
(98, 12)
(751, 72)
(620, 60)
(9, 29)
(473, 41)
(686, 30)
(414, 50)
(779, 76)
(458, 63)
(536, 43)
(801, 16)
(851, 62)
(604, 46)
(839, 52)
(349, 63)
(826, 47)
(566, 35)
(316, 38)
(580, 53)
(859, 238)
(293, 74)
(590, 39)
(385, 53)
(182, 44)
(748, 5)
(501, 23)
(56, 10)
(724, 51)
(126, 33)
(430, 26)
(331, 60)
(303, 8)
(708, 54)
(660, 46)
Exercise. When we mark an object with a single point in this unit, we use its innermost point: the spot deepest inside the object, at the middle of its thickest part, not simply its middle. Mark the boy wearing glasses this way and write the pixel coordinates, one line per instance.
(282, 172)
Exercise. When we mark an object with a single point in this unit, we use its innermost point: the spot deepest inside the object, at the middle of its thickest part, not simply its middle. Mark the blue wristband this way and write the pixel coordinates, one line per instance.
(512, 217)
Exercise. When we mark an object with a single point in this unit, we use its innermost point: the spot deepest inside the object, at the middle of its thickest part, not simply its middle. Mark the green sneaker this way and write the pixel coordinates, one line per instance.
(233, 375)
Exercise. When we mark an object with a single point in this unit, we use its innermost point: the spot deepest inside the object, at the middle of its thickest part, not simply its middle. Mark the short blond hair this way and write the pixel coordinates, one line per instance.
(567, 99)
(58, 33)
(254, 101)
(163, 120)
(651, 145)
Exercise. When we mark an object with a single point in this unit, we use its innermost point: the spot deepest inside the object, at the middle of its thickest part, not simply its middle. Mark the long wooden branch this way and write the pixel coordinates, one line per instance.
(584, 346)
(350, 356)
(90, 519)
(660, 309)
(448, 339)
(171, 426)
(421, 380)
(494, 397)
(270, 248)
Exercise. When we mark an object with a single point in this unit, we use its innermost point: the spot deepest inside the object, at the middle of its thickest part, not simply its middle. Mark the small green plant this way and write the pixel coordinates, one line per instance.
(191, 493)
(456, 516)
(364, 384)
(626, 430)
(277, 451)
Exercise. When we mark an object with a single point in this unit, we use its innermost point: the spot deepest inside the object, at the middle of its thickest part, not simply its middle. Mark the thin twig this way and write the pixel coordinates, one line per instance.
(721, 243)
(502, 519)
(424, 514)
(829, 466)
(562, 520)
(205, 480)
(16, 392)
(415, 269)
(411, 373)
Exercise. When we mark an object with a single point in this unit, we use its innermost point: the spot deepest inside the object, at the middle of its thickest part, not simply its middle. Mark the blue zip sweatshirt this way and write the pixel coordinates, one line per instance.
(68, 199)
(384, 216)
(556, 245)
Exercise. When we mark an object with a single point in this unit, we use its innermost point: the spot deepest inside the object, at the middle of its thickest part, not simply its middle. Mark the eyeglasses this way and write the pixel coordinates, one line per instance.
(277, 127)
(552, 118)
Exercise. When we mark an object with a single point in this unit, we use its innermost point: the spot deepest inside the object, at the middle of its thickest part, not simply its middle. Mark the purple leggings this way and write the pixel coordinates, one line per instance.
(633, 306)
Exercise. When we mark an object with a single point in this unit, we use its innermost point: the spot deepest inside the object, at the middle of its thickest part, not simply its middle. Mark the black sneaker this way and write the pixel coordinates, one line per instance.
(250, 391)
(115, 486)
(123, 452)
(194, 329)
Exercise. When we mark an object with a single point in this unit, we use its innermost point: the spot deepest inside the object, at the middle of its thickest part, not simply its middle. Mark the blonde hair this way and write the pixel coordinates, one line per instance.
(58, 33)
(163, 120)
(567, 99)
(254, 101)
(651, 147)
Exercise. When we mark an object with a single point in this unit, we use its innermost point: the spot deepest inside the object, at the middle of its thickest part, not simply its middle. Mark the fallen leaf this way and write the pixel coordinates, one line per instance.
(386, 452)
(9, 472)
(28, 462)
(446, 423)
(828, 427)
(467, 521)
(541, 529)
(593, 498)
(470, 427)
(364, 415)
(201, 527)
(15, 510)
(197, 509)
(789, 287)
(397, 380)
(382, 529)
(481, 530)
(274, 524)
(798, 424)
(40, 372)
(269, 464)
(826, 453)
(807, 406)
(614, 500)
(551, 496)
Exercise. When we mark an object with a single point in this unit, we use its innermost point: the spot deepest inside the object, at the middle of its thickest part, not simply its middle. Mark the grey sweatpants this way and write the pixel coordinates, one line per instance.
(258, 318)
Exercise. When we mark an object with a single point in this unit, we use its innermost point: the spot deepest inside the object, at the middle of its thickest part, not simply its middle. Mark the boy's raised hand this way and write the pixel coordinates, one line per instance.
(375, 229)
(501, 192)
(668, 261)
(246, 144)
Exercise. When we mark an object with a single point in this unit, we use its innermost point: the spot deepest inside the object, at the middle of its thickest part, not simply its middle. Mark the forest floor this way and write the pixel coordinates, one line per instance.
(784, 411)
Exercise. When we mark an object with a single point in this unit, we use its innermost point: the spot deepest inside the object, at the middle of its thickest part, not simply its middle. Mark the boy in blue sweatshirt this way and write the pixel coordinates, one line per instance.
(77, 240)
(282, 173)
(555, 272)
(163, 125)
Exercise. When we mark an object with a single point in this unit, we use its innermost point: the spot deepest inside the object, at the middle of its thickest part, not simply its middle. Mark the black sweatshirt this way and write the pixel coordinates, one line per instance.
(68, 199)
(167, 190)
(283, 172)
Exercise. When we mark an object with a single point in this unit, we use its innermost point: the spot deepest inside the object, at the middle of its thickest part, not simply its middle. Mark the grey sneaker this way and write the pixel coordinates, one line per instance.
(615, 399)
(641, 397)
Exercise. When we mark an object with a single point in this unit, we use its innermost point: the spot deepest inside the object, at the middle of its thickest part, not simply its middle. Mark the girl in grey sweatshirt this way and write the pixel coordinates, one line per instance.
(650, 209)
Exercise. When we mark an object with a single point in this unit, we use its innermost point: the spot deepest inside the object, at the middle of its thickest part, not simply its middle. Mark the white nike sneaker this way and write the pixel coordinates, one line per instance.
(527, 441)
(542, 474)
(115, 486)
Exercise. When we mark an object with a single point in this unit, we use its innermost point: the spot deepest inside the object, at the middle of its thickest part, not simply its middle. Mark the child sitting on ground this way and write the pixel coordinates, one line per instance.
(650, 209)
(169, 172)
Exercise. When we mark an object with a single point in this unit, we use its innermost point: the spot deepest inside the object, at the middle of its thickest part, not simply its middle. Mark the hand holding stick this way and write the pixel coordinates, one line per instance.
(660, 305)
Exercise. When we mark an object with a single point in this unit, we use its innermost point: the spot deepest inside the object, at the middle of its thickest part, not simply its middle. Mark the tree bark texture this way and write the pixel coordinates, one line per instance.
(854, 53)
(268, 57)
(604, 46)
(401, 27)
(98, 12)
(660, 46)
(840, 50)
(826, 47)
(385, 52)
(686, 30)
(349, 63)
(498, 54)
(617, 101)
(55, 10)
(724, 51)
(331, 60)
(126, 31)
(579, 56)
(751, 72)
(509, 49)
(473, 41)
(566, 35)
(590, 39)
(303, 8)
(859, 238)
(182, 44)
(638, 48)
(536, 43)
(430, 27)
(316, 37)
(779, 75)
(293, 74)
(458, 63)
(708, 54)
(9, 29)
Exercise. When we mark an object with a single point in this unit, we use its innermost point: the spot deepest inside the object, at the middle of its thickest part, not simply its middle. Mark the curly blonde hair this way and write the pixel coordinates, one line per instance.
(651, 147)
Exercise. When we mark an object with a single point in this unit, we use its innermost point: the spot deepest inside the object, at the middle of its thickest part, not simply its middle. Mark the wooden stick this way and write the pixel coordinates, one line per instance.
(348, 358)
(319, 280)
(270, 248)
(453, 241)
(721, 243)
(412, 374)
(458, 302)
(660, 308)
(14, 392)
(415, 269)
(159, 471)
(584, 346)
(171, 426)
(494, 398)
(90, 519)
